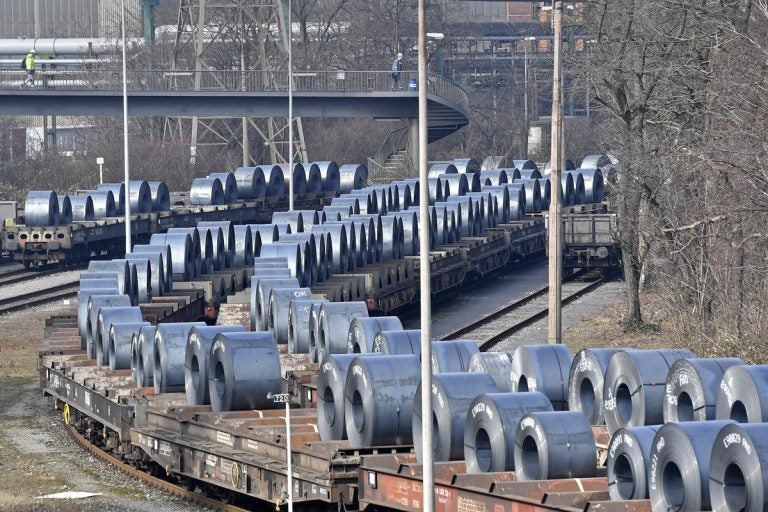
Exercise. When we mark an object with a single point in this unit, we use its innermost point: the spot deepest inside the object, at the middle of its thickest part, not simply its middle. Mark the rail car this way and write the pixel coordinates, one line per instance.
(590, 243)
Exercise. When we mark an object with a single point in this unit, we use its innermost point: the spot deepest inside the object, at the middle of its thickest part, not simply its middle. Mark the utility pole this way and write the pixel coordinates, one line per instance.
(554, 322)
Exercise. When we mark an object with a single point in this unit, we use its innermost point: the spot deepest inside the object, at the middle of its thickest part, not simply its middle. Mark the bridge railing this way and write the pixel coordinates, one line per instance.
(98, 78)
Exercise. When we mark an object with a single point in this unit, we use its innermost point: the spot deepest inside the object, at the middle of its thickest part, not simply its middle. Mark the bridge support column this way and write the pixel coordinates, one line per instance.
(413, 143)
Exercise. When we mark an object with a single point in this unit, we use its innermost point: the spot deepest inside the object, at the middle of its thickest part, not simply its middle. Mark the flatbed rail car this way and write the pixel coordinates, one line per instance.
(590, 243)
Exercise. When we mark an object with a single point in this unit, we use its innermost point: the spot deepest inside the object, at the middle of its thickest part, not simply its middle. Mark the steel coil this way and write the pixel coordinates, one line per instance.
(452, 356)
(472, 214)
(263, 234)
(82, 208)
(298, 177)
(456, 184)
(525, 164)
(215, 250)
(143, 275)
(529, 174)
(362, 332)
(300, 325)
(65, 210)
(353, 202)
(585, 382)
(432, 227)
(336, 213)
(331, 378)
(260, 298)
(274, 181)
(466, 165)
(743, 393)
(533, 201)
(579, 192)
(145, 357)
(156, 274)
(627, 465)
(333, 326)
(501, 195)
(438, 192)
(315, 332)
(103, 203)
(308, 250)
(120, 338)
(594, 188)
(41, 208)
(340, 250)
(197, 353)
(169, 351)
(452, 394)
(678, 477)
(493, 177)
(164, 251)
(312, 177)
(120, 267)
(496, 364)
(487, 209)
(373, 230)
(383, 197)
(368, 200)
(410, 229)
(404, 194)
(438, 168)
(83, 299)
(264, 271)
(567, 192)
(118, 195)
(546, 193)
(554, 444)
(441, 214)
(291, 253)
(458, 212)
(635, 381)
(353, 177)
(491, 426)
(473, 180)
(595, 161)
(140, 195)
(543, 368)
(738, 469)
(692, 386)
(250, 182)
(392, 240)
(244, 245)
(280, 300)
(106, 316)
(351, 232)
(228, 185)
(398, 343)
(568, 165)
(294, 219)
(378, 399)
(516, 203)
(207, 191)
(329, 173)
(202, 246)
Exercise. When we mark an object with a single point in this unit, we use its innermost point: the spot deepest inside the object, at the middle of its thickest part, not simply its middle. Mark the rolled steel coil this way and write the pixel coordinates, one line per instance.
(336, 213)
(525, 164)
(568, 165)
(228, 184)
(493, 177)
(280, 300)
(738, 469)
(491, 426)
(260, 298)
(438, 192)
(438, 168)
(501, 194)
(300, 325)
(368, 200)
(119, 343)
(452, 356)
(629, 454)
(164, 251)
(546, 193)
(378, 399)
(331, 378)
(470, 215)
(635, 382)
(329, 172)
(554, 444)
(743, 394)
(432, 227)
(81, 208)
(487, 209)
(533, 201)
(250, 183)
(362, 332)
(311, 218)
(678, 477)
(140, 196)
(567, 191)
(265, 271)
(374, 232)
(496, 364)
(202, 249)
(456, 184)
(314, 181)
(315, 332)
(353, 177)
(106, 316)
(118, 194)
(333, 326)
(145, 357)
(83, 299)
(473, 179)
(274, 181)
(529, 174)
(143, 275)
(398, 343)
(516, 203)
(298, 177)
(324, 246)
(514, 188)
(585, 382)
(404, 194)
(415, 186)
(444, 216)
(410, 230)
(294, 219)
(215, 251)
(595, 161)
(103, 203)
(244, 245)
(383, 194)
(466, 165)
(168, 355)
(227, 231)
(156, 274)
(543, 368)
(41, 208)
(207, 191)
(579, 193)
(364, 251)
(197, 353)
(392, 240)
(340, 250)
(310, 255)
(351, 232)
(594, 188)
(452, 394)
(120, 267)
(292, 254)
(65, 210)
(353, 202)
(244, 371)
(263, 234)
(692, 386)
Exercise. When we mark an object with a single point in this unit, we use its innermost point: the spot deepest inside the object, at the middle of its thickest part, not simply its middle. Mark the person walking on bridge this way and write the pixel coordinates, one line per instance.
(30, 65)
(397, 69)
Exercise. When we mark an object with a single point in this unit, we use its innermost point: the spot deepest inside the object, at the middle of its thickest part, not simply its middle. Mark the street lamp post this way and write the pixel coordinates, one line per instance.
(100, 163)
(527, 42)
(290, 108)
(285, 398)
(125, 140)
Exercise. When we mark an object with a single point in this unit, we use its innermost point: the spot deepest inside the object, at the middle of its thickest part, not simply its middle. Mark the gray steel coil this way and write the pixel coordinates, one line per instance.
(300, 325)
(206, 191)
(315, 332)
(140, 196)
(362, 332)
(743, 394)
(143, 271)
(525, 164)
(227, 231)
(103, 203)
(310, 255)
(533, 201)
(635, 382)
(156, 275)
(456, 184)
(81, 208)
(331, 378)
(383, 194)
(594, 188)
(470, 215)
(83, 299)
(260, 298)
(145, 357)
(274, 180)
(488, 208)
(432, 226)
(228, 185)
(438, 168)
(119, 345)
(398, 343)
(353, 177)
(365, 252)
(692, 386)
(585, 382)
(235, 386)
(568, 165)
(438, 192)
(678, 478)
(336, 213)
(567, 191)
(215, 252)
(514, 188)
(312, 177)
(118, 195)
(595, 161)
(120, 267)
(201, 249)
(491, 426)
(333, 326)
(392, 240)
(251, 183)
(294, 219)
(41, 208)
(283, 229)
(496, 364)
(378, 399)
(65, 210)
(493, 177)
(244, 245)
(529, 174)
(452, 356)
(415, 187)
(263, 234)
(554, 444)
(579, 191)
(543, 368)
(280, 300)
(298, 177)
(277, 270)
(311, 218)
(329, 172)
(169, 351)
(444, 216)
(473, 179)
(374, 232)
(197, 354)
(466, 165)
(738, 469)
(291, 252)
(106, 316)
(627, 464)
(351, 232)
(368, 200)
(410, 229)
(352, 201)
(404, 194)
(546, 193)
(164, 251)
(452, 394)
(501, 195)
(338, 240)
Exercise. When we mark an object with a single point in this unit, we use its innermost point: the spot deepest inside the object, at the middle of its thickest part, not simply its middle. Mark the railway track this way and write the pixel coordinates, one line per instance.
(38, 297)
(491, 329)
(23, 274)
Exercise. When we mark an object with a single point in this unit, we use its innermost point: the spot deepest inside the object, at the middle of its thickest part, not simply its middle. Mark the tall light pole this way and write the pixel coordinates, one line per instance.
(125, 140)
(100, 163)
(527, 42)
(280, 398)
(290, 107)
